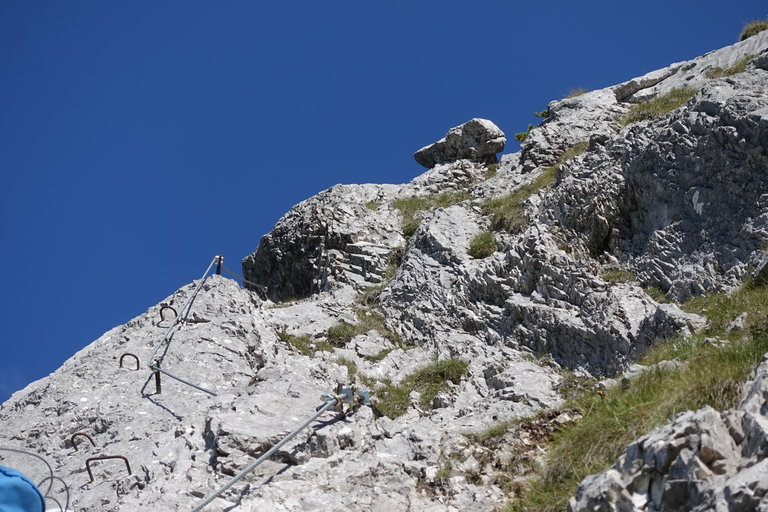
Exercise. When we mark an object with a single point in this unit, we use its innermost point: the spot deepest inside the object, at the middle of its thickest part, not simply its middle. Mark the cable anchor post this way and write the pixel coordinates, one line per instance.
(219, 264)
(158, 387)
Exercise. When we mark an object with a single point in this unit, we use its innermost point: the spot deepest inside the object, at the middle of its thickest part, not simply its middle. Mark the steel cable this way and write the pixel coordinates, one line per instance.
(265, 456)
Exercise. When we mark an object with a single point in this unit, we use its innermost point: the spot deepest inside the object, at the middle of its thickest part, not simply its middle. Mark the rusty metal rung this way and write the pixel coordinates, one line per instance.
(133, 356)
(164, 307)
(76, 434)
(105, 457)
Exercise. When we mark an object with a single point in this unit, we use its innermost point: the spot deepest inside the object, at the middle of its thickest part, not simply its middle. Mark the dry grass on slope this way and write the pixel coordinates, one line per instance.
(613, 421)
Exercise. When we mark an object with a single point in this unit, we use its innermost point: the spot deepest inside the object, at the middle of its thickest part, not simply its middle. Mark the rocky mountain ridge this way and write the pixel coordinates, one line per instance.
(389, 287)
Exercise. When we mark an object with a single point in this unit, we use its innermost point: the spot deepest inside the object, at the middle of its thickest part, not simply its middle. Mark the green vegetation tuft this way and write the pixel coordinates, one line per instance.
(490, 170)
(373, 205)
(576, 92)
(343, 332)
(378, 356)
(351, 367)
(657, 294)
(543, 114)
(613, 421)
(367, 320)
(508, 213)
(575, 150)
(521, 136)
(737, 67)
(657, 106)
(618, 275)
(393, 400)
(409, 206)
(482, 245)
(494, 431)
(752, 28)
(304, 344)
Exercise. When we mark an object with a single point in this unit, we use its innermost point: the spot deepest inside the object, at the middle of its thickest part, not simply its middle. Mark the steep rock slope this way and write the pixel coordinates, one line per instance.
(384, 286)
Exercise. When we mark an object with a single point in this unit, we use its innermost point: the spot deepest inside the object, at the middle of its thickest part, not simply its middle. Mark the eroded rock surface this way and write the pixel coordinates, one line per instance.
(678, 202)
(704, 460)
(477, 139)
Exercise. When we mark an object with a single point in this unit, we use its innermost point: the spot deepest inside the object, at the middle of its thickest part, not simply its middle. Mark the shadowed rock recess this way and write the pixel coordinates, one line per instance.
(460, 299)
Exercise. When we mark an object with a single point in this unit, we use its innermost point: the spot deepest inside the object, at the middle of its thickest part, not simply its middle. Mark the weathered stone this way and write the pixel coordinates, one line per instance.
(681, 202)
(477, 139)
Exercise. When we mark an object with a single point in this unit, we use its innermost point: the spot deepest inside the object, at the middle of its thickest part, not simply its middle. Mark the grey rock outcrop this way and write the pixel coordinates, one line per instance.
(477, 139)
(704, 460)
(343, 234)
(679, 203)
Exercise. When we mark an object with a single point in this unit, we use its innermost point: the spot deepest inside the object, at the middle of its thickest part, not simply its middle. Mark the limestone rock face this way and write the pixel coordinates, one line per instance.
(509, 271)
(477, 139)
(704, 460)
(339, 235)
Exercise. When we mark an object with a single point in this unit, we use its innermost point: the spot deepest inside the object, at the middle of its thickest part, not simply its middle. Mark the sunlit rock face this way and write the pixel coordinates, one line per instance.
(384, 287)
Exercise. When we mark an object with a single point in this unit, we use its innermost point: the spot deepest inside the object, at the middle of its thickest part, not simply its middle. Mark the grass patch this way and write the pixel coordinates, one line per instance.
(351, 367)
(508, 213)
(482, 245)
(304, 344)
(657, 106)
(575, 150)
(378, 356)
(752, 28)
(657, 294)
(393, 400)
(373, 205)
(618, 275)
(737, 67)
(494, 431)
(573, 93)
(612, 422)
(343, 332)
(410, 206)
(490, 170)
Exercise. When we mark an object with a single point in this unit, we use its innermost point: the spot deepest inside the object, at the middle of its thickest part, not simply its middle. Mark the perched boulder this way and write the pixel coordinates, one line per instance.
(477, 139)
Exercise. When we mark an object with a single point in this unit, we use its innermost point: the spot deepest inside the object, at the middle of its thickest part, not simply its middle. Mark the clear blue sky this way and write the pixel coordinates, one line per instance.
(138, 139)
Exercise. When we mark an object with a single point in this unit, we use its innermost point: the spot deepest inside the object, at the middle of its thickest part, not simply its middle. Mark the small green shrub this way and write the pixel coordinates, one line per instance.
(576, 92)
(409, 206)
(482, 245)
(752, 28)
(373, 205)
(393, 399)
(543, 114)
(657, 106)
(521, 136)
